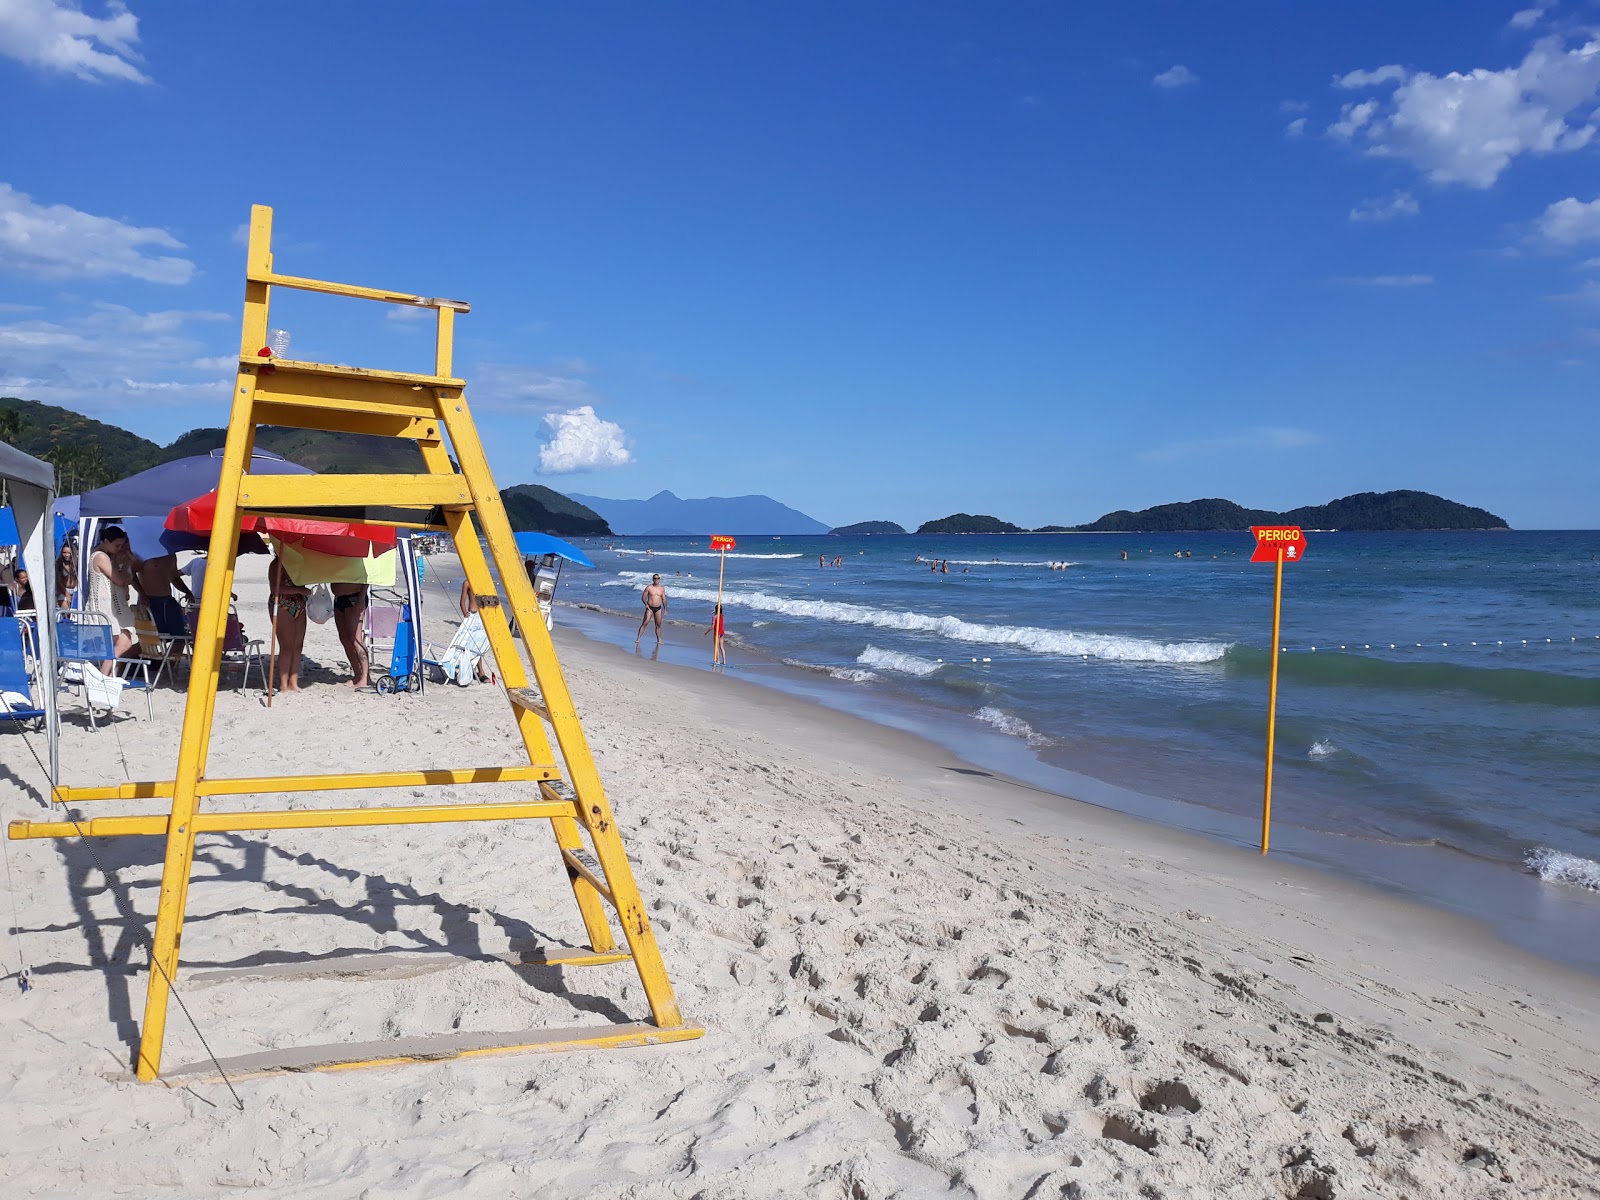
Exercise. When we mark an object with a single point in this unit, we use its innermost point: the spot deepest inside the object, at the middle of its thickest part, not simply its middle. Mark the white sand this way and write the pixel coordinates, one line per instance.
(915, 981)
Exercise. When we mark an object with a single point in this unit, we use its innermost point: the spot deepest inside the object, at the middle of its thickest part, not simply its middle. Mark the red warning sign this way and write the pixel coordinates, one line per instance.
(722, 541)
(1271, 540)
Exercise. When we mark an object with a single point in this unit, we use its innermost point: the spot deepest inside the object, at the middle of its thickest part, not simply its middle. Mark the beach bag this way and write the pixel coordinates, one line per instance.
(320, 607)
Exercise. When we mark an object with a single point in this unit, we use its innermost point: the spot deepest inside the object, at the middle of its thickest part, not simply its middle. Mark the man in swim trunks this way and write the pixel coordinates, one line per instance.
(655, 603)
(156, 577)
(349, 606)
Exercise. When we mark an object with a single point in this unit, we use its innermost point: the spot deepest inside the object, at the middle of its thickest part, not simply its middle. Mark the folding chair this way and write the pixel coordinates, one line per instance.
(16, 676)
(163, 649)
(86, 639)
(238, 650)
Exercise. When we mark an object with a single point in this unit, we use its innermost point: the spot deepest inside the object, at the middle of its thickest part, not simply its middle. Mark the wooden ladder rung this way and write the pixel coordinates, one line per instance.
(528, 698)
(558, 789)
(581, 863)
(280, 493)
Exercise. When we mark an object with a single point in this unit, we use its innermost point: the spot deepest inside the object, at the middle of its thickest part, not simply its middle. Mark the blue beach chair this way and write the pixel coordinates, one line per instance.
(84, 640)
(16, 684)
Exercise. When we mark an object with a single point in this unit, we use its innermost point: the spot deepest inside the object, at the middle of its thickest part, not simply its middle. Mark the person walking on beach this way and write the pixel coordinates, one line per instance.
(654, 599)
(719, 653)
(286, 605)
(349, 606)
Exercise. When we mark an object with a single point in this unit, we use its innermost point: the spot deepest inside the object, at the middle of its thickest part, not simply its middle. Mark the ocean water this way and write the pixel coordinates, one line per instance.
(1437, 690)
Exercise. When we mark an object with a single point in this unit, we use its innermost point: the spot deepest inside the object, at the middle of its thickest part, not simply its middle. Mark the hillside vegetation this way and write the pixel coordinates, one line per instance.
(1369, 511)
(89, 454)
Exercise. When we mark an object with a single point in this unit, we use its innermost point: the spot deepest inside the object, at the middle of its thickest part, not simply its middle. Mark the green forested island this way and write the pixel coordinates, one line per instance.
(1368, 511)
(867, 527)
(969, 523)
(89, 454)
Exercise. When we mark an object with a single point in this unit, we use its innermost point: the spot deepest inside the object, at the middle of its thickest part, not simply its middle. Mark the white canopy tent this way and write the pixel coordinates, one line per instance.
(33, 493)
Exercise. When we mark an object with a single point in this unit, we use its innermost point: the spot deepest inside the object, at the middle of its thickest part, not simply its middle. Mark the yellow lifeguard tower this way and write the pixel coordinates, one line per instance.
(427, 410)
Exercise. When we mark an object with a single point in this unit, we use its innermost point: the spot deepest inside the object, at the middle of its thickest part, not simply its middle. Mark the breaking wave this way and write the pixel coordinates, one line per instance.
(1007, 562)
(1015, 726)
(1322, 750)
(1557, 866)
(1111, 647)
(700, 554)
(894, 660)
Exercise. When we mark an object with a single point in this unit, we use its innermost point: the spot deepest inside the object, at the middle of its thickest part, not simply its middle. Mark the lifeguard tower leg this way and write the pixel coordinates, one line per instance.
(209, 632)
(593, 809)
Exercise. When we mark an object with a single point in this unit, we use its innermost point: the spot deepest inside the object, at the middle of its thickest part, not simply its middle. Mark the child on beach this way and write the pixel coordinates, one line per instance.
(719, 653)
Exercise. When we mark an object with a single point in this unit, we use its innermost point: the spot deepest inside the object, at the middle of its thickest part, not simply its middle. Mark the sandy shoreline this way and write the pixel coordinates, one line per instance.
(916, 978)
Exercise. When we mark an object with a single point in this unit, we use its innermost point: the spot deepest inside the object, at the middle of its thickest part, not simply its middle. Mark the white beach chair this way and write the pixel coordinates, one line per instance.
(460, 661)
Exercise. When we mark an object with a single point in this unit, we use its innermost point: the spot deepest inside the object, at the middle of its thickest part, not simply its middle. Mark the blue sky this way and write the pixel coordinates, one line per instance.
(877, 260)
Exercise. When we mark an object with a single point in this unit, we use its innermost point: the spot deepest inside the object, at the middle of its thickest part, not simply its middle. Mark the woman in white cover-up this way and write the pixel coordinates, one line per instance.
(110, 575)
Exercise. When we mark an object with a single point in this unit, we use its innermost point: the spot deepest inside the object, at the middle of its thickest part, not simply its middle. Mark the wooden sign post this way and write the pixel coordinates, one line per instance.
(1274, 544)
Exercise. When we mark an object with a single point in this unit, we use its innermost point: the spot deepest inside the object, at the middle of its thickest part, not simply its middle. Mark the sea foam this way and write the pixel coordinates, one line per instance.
(1557, 866)
(1007, 562)
(894, 660)
(699, 554)
(1015, 726)
(1322, 750)
(1111, 647)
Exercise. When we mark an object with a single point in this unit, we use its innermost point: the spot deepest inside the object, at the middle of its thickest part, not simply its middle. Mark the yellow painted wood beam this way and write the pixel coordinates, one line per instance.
(436, 1049)
(300, 284)
(345, 420)
(249, 786)
(297, 818)
(295, 492)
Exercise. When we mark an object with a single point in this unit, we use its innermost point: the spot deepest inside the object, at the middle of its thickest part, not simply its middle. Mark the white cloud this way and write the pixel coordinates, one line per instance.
(1468, 128)
(58, 242)
(510, 385)
(110, 360)
(1293, 106)
(1295, 128)
(1392, 73)
(1176, 77)
(406, 314)
(59, 36)
(1588, 292)
(581, 441)
(1571, 221)
(1386, 281)
(1590, 264)
(1351, 118)
(1386, 208)
(1527, 18)
(1261, 437)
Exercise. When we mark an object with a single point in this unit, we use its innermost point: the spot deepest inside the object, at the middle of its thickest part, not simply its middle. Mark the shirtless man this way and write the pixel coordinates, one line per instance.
(349, 606)
(655, 603)
(156, 578)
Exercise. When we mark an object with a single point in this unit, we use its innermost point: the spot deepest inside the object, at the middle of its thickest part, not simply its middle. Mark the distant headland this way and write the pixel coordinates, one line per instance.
(1364, 511)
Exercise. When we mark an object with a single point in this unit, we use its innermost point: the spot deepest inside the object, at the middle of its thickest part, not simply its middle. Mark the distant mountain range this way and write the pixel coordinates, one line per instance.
(665, 514)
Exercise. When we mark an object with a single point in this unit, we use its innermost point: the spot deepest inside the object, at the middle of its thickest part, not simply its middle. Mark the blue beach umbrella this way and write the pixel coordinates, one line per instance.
(156, 492)
(534, 545)
(8, 527)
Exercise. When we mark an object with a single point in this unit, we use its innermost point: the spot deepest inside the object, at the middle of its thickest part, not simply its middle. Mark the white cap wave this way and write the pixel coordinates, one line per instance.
(1116, 647)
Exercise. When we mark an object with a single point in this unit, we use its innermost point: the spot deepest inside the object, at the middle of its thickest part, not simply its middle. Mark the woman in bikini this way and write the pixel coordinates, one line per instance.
(287, 608)
(349, 606)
